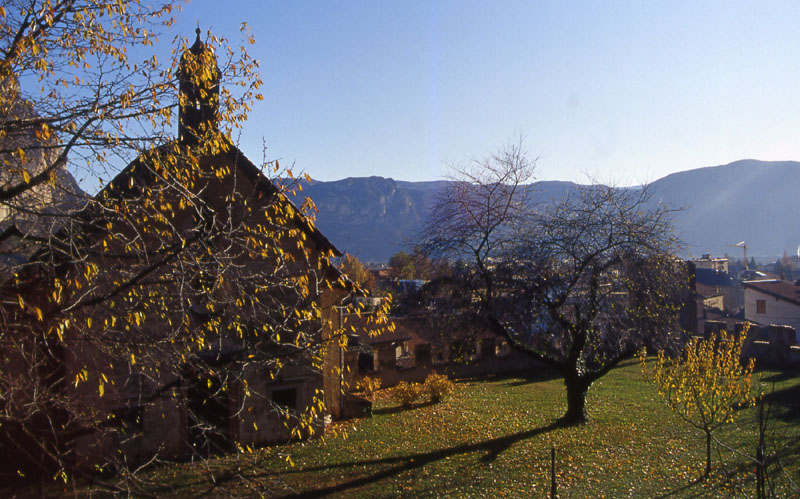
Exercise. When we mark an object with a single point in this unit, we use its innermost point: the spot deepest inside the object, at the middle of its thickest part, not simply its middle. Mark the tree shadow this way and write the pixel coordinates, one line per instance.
(697, 481)
(397, 408)
(527, 378)
(400, 464)
(787, 399)
(518, 378)
(783, 375)
(397, 465)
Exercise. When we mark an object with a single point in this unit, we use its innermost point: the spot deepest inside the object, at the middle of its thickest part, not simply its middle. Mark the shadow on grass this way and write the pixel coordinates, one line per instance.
(395, 409)
(400, 464)
(783, 375)
(397, 465)
(516, 378)
(697, 481)
(527, 378)
(784, 402)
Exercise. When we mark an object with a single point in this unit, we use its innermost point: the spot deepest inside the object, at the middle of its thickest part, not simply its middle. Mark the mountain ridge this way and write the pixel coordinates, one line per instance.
(752, 200)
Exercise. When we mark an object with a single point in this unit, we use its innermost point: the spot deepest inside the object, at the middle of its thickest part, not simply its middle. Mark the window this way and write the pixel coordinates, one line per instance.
(129, 418)
(286, 397)
(761, 306)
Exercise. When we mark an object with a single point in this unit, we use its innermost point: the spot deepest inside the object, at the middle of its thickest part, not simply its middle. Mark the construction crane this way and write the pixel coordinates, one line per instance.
(743, 245)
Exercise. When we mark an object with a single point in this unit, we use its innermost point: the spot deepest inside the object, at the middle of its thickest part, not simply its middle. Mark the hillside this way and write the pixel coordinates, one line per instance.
(746, 200)
(750, 200)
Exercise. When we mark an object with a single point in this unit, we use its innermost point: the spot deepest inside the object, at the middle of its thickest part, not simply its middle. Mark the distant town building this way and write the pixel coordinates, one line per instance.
(709, 262)
(712, 283)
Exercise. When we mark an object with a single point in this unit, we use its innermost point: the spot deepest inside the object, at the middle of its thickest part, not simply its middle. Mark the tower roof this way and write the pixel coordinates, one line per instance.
(197, 49)
(198, 45)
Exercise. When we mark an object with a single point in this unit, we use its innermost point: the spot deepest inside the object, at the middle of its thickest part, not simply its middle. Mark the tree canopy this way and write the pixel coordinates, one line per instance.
(356, 271)
(187, 273)
(578, 285)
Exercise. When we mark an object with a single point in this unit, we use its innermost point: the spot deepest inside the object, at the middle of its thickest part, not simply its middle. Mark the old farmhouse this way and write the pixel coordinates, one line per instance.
(190, 308)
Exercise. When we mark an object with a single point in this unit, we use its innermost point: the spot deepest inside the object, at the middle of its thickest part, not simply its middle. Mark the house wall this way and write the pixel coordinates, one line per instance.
(719, 264)
(714, 302)
(261, 420)
(163, 419)
(778, 311)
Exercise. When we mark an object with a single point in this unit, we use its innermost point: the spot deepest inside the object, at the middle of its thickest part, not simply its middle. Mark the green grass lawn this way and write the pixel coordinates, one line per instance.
(493, 438)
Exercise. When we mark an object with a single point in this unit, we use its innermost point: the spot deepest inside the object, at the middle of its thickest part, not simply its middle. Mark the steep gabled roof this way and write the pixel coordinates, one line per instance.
(255, 175)
(122, 186)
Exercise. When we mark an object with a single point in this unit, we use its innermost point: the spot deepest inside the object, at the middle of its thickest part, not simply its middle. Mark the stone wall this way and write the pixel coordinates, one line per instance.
(772, 345)
(485, 362)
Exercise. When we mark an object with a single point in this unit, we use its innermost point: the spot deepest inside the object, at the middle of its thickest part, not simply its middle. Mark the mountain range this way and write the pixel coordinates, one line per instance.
(748, 200)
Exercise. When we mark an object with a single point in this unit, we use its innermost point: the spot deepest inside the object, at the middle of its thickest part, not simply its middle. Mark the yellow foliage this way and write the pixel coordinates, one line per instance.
(406, 394)
(168, 275)
(369, 386)
(707, 384)
(437, 386)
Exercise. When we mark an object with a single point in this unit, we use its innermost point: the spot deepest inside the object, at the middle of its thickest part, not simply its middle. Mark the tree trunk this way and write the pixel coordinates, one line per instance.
(577, 387)
(708, 454)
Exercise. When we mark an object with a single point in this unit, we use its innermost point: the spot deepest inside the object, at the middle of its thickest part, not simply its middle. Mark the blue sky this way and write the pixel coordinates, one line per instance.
(623, 92)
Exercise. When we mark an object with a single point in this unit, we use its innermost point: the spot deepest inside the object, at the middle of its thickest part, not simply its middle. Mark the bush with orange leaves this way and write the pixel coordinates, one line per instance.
(437, 386)
(369, 385)
(406, 394)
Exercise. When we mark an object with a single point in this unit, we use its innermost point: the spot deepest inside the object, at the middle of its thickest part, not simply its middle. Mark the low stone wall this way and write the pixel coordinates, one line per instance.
(484, 363)
(515, 361)
(772, 345)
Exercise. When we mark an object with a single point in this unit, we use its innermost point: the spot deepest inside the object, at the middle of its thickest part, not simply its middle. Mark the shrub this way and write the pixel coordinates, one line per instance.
(406, 394)
(437, 386)
(369, 385)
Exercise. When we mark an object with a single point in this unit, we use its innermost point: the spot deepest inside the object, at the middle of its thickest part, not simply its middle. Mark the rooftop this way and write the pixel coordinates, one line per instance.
(779, 289)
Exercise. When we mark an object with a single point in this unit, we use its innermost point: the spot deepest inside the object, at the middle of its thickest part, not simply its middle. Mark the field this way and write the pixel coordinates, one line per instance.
(494, 437)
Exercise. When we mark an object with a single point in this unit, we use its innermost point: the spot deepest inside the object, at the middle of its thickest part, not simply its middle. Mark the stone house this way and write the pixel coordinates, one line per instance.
(219, 346)
(715, 282)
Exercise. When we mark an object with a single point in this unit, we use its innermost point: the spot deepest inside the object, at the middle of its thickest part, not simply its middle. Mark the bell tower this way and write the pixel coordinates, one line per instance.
(198, 97)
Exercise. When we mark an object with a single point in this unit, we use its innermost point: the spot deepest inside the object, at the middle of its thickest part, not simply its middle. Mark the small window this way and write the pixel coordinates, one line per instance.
(366, 363)
(129, 418)
(286, 397)
(761, 306)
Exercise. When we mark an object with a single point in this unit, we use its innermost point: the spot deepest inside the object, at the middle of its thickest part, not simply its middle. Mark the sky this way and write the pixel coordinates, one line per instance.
(622, 92)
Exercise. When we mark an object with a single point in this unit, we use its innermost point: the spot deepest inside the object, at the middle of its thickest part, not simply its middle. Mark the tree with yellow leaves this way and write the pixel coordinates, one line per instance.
(183, 293)
(354, 269)
(707, 384)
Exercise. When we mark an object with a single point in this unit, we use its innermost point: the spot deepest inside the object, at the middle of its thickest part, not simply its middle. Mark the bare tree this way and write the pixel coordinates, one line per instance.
(478, 214)
(579, 285)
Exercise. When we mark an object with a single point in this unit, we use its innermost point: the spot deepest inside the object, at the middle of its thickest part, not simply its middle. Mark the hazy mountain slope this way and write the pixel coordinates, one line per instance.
(371, 217)
(375, 217)
(748, 200)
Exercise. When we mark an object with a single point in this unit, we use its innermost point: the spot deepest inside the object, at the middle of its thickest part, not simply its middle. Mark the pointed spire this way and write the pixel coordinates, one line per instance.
(198, 46)
(199, 94)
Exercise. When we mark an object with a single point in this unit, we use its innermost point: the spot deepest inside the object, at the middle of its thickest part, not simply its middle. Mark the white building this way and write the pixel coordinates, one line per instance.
(773, 302)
